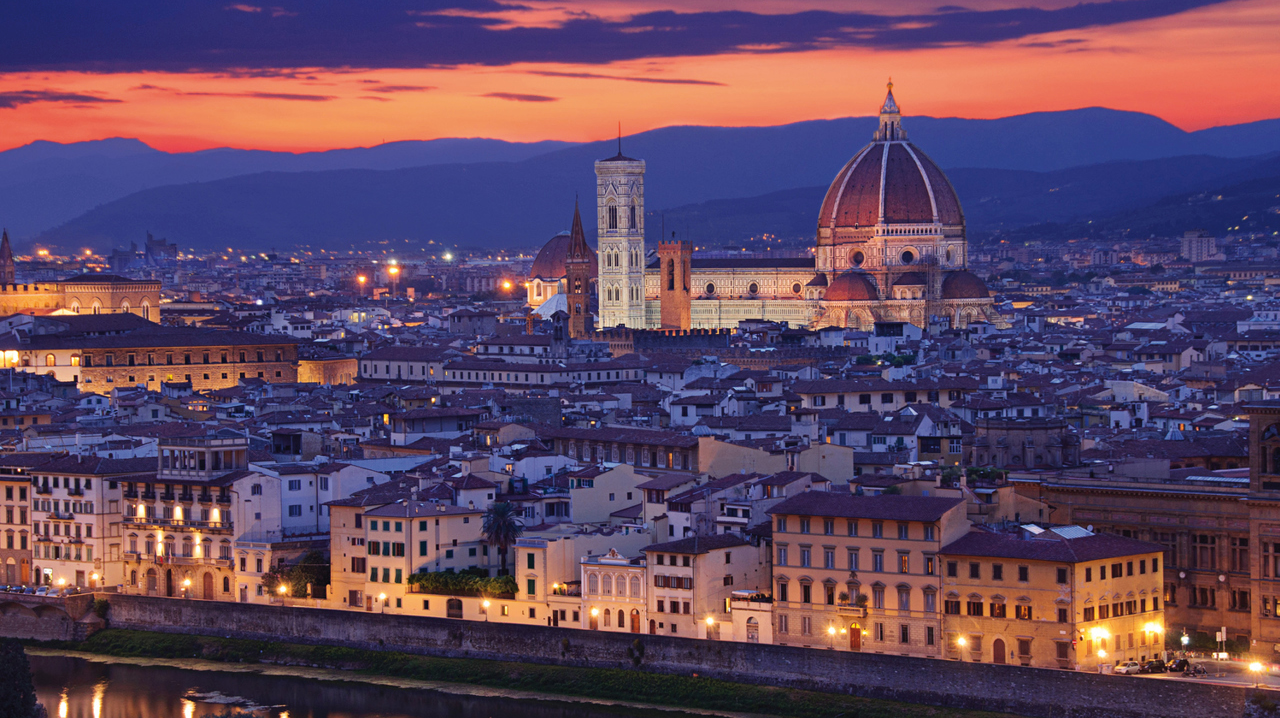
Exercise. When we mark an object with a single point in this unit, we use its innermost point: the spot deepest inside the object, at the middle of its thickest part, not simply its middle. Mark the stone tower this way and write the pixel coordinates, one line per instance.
(674, 260)
(620, 247)
(577, 277)
(7, 273)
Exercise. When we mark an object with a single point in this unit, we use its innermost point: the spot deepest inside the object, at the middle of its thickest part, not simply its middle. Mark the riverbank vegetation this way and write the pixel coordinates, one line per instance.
(686, 692)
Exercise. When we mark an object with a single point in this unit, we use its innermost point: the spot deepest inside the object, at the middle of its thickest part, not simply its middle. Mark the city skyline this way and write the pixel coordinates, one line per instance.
(284, 78)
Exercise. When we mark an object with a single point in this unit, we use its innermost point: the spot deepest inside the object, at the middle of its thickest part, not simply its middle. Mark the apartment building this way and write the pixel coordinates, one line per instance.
(861, 573)
(1063, 597)
(15, 513)
(691, 581)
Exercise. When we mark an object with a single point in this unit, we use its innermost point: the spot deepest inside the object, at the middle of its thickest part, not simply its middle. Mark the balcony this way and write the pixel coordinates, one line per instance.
(148, 496)
(177, 523)
(43, 490)
(131, 493)
(198, 561)
(168, 496)
(224, 499)
(77, 491)
(186, 497)
(61, 515)
(206, 498)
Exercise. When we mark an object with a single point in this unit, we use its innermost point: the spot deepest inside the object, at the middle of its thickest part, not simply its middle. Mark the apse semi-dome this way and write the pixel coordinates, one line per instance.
(851, 287)
(890, 181)
(549, 264)
(964, 285)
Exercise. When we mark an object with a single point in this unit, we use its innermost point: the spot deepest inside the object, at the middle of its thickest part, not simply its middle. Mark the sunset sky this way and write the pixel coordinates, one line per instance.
(318, 74)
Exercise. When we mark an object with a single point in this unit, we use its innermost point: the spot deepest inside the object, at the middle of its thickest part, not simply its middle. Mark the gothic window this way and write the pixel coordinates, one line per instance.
(632, 223)
(612, 213)
(671, 275)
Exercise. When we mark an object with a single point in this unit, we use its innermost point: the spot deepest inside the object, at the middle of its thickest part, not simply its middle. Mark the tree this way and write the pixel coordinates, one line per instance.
(501, 528)
(17, 691)
(311, 570)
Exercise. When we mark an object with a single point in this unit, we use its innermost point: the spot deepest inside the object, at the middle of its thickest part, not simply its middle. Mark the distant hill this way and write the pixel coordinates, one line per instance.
(523, 200)
(44, 184)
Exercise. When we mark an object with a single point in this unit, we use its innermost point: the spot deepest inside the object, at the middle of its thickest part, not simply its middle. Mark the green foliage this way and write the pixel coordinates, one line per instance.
(17, 692)
(100, 607)
(463, 584)
(501, 528)
(601, 683)
(312, 569)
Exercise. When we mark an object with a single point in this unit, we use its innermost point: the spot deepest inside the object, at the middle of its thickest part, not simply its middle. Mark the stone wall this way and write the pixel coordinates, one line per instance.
(45, 619)
(1013, 689)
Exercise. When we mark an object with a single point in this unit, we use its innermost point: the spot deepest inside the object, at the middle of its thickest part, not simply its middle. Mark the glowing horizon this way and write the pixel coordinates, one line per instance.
(1193, 64)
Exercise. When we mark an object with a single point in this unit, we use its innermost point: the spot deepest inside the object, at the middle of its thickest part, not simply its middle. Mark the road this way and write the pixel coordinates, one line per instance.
(1226, 673)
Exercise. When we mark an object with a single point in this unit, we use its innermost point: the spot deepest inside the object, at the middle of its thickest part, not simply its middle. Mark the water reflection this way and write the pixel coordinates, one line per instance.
(83, 689)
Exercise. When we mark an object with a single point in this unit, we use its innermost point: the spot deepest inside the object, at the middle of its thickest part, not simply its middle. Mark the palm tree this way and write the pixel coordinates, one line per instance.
(501, 528)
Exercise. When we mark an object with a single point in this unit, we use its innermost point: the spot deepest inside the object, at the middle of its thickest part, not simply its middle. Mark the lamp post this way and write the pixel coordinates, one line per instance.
(394, 271)
(186, 588)
(1256, 669)
(831, 635)
(711, 623)
(485, 605)
(382, 598)
(361, 280)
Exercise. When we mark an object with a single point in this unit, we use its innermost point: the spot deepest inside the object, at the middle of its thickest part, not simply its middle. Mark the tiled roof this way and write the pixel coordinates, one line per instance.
(890, 507)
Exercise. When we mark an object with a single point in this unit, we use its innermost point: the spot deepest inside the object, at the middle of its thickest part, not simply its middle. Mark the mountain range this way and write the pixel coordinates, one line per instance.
(721, 183)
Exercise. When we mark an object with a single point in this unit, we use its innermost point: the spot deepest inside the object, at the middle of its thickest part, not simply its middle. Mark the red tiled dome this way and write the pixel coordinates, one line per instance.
(890, 181)
(964, 285)
(851, 287)
(549, 264)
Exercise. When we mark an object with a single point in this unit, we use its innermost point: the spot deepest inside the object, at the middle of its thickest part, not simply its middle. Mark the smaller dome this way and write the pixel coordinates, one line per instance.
(549, 264)
(851, 287)
(911, 279)
(964, 285)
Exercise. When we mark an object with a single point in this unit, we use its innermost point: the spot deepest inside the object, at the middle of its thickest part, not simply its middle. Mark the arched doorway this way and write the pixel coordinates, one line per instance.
(855, 637)
(208, 586)
(635, 621)
(753, 630)
(168, 582)
(653, 627)
(997, 651)
(151, 581)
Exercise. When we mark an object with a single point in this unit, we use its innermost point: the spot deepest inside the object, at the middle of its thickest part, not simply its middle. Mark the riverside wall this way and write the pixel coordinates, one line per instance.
(1023, 691)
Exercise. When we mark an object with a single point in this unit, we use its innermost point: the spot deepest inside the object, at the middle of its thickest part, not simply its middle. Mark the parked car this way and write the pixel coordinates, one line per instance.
(42, 591)
(1153, 666)
(1129, 668)
(1178, 665)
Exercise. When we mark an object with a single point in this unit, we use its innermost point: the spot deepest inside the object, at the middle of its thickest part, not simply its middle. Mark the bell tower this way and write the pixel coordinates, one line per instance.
(7, 272)
(577, 277)
(620, 236)
(675, 259)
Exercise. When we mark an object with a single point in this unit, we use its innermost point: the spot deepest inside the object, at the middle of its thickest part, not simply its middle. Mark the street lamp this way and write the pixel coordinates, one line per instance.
(382, 598)
(394, 271)
(186, 586)
(485, 604)
(1256, 669)
(831, 634)
(362, 279)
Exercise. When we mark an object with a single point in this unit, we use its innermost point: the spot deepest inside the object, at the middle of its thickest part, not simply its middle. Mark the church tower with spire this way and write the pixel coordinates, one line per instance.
(620, 249)
(7, 273)
(577, 277)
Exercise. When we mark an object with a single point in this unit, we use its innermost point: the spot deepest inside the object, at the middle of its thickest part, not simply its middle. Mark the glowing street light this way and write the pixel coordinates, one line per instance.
(1256, 669)
(485, 606)
(362, 279)
(394, 271)
(507, 285)
(448, 257)
(831, 635)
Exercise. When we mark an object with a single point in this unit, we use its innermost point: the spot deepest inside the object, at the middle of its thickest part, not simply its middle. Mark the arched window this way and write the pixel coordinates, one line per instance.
(671, 275)
(612, 214)
(226, 584)
(622, 585)
(607, 585)
(49, 360)
(593, 583)
(608, 617)
(633, 223)
(635, 586)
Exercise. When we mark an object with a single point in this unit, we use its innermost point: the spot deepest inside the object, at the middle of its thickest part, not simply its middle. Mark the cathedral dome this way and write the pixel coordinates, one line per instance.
(911, 279)
(549, 264)
(890, 181)
(851, 287)
(964, 285)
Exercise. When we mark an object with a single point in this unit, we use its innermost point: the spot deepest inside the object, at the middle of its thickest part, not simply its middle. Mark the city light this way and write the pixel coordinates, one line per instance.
(1102, 653)
(1098, 633)
(1153, 628)
(1256, 669)
(595, 612)
(831, 630)
(710, 621)
(448, 257)
(486, 603)
(362, 279)
(382, 597)
(962, 642)
(506, 285)
(283, 589)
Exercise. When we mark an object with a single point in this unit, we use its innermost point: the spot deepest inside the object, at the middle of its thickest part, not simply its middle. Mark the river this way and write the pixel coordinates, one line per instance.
(71, 687)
